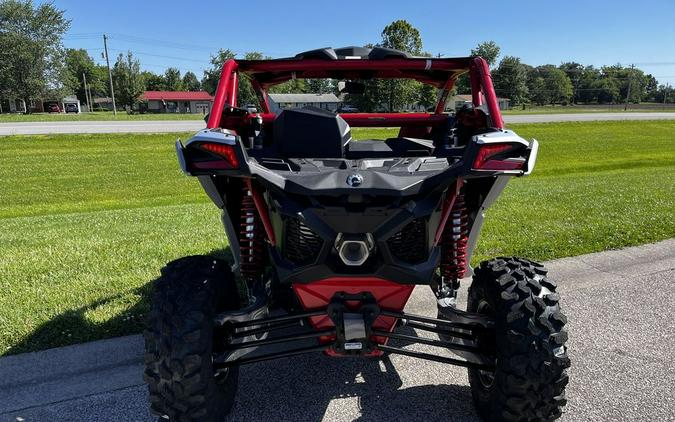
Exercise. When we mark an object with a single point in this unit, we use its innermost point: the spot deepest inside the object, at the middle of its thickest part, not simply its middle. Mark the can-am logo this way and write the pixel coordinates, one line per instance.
(354, 180)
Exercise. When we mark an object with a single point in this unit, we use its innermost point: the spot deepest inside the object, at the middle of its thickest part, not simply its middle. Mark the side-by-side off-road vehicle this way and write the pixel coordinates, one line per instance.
(329, 236)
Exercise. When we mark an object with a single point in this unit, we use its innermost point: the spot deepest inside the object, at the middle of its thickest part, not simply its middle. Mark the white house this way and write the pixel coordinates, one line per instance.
(195, 102)
(325, 101)
(456, 102)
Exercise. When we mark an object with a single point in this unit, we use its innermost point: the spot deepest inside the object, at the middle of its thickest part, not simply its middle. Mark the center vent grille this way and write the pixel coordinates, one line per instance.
(301, 244)
(410, 244)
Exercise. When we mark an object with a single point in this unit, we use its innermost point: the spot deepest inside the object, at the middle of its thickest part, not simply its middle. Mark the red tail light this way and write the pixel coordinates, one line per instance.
(226, 151)
(484, 160)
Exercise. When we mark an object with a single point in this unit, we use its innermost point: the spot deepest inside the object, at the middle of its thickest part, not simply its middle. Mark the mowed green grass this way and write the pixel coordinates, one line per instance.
(88, 220)
(599, 108)
(95, 115)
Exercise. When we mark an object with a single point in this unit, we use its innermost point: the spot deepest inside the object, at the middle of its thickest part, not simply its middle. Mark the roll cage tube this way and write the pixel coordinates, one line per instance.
(276, 71)
(226, 93)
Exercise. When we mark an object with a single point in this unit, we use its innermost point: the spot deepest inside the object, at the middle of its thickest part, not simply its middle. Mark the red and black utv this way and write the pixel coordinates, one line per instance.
(329, 236)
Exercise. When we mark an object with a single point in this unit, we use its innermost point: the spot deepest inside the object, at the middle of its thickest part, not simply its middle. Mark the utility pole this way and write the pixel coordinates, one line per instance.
(91, 98)
(630, 82)
(86, 91)
(107, 60)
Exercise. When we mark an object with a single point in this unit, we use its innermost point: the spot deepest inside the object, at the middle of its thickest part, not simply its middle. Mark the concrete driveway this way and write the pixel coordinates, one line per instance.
(622, 334)
(148, 126)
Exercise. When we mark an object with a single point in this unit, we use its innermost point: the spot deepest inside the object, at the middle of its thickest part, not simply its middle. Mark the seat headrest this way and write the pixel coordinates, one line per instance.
(310, 132)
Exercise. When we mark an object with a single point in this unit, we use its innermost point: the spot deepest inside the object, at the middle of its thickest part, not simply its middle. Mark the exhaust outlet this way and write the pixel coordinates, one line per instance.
(354, 249)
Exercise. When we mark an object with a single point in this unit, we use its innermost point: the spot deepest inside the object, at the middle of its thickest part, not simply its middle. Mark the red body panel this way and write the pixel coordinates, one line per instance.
(389, 295)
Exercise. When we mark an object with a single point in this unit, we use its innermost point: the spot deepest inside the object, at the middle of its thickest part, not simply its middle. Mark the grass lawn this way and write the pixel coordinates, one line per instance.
(614, 108)
(88, 220)
(96, 115)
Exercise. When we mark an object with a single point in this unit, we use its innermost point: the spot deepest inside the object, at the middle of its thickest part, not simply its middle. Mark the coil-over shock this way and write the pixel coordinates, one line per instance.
(454, 248)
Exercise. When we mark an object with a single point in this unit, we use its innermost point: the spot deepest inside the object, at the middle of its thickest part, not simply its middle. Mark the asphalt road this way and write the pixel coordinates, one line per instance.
(622, 334)
(149, 126)
(144, 126)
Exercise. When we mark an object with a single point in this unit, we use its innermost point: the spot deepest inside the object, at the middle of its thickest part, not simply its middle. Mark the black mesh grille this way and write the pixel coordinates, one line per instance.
(302, 245)
(410, 244)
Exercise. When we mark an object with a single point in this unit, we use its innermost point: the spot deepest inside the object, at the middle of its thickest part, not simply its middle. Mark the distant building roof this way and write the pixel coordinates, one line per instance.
(304, 98)
(469, 98)
(177, 96)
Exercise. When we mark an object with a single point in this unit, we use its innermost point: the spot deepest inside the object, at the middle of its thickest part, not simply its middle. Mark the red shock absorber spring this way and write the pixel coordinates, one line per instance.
(250, 239)
(454, 243)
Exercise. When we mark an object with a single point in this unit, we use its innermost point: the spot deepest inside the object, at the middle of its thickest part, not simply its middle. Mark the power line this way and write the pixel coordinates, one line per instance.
(141, 53)
(163, 43)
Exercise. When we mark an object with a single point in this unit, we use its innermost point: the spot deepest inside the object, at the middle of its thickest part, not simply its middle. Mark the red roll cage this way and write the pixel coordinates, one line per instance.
(441, 73)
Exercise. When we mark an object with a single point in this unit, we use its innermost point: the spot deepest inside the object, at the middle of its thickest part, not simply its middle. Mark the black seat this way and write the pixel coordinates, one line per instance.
(368, 149)
(310, 132)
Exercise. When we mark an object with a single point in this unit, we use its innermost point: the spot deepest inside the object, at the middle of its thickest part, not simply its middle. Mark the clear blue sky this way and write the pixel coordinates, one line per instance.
(182, 34)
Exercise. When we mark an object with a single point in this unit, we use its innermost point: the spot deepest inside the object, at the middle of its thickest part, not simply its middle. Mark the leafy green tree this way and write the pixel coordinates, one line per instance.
(127, 80)
(153, 81)
(294, 86)
(190, 82)
(510, 80)
(586, 85)
(575, 72)
(651, 88)
(549, 85)
(212, 74)
(246, 95)
(173, 80)
(31, 49)
(489, 50)
(607, 91)
(427, 96)
(318, 86)
(78, 63)
(400, 35)
(538, 92)
(665, 94)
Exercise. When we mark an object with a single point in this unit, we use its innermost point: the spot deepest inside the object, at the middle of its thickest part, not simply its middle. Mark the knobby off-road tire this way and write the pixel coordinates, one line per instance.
(529, 341)
(179, 340)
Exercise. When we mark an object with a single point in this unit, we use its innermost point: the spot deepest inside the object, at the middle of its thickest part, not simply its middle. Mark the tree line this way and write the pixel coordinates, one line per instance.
(35, 65)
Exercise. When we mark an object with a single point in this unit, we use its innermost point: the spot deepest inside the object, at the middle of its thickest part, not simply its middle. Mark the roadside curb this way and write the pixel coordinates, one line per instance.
(39, 378)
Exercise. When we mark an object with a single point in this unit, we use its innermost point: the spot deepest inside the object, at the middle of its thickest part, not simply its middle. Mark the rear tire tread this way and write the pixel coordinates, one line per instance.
(179, 340)
(529, 383)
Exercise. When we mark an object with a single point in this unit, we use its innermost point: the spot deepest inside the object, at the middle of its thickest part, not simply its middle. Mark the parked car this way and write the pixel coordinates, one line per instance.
(348, 109)
(71, 108)
(52, 108)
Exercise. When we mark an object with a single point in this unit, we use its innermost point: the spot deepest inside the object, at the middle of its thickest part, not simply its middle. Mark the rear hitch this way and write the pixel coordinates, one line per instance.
(353, 325)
